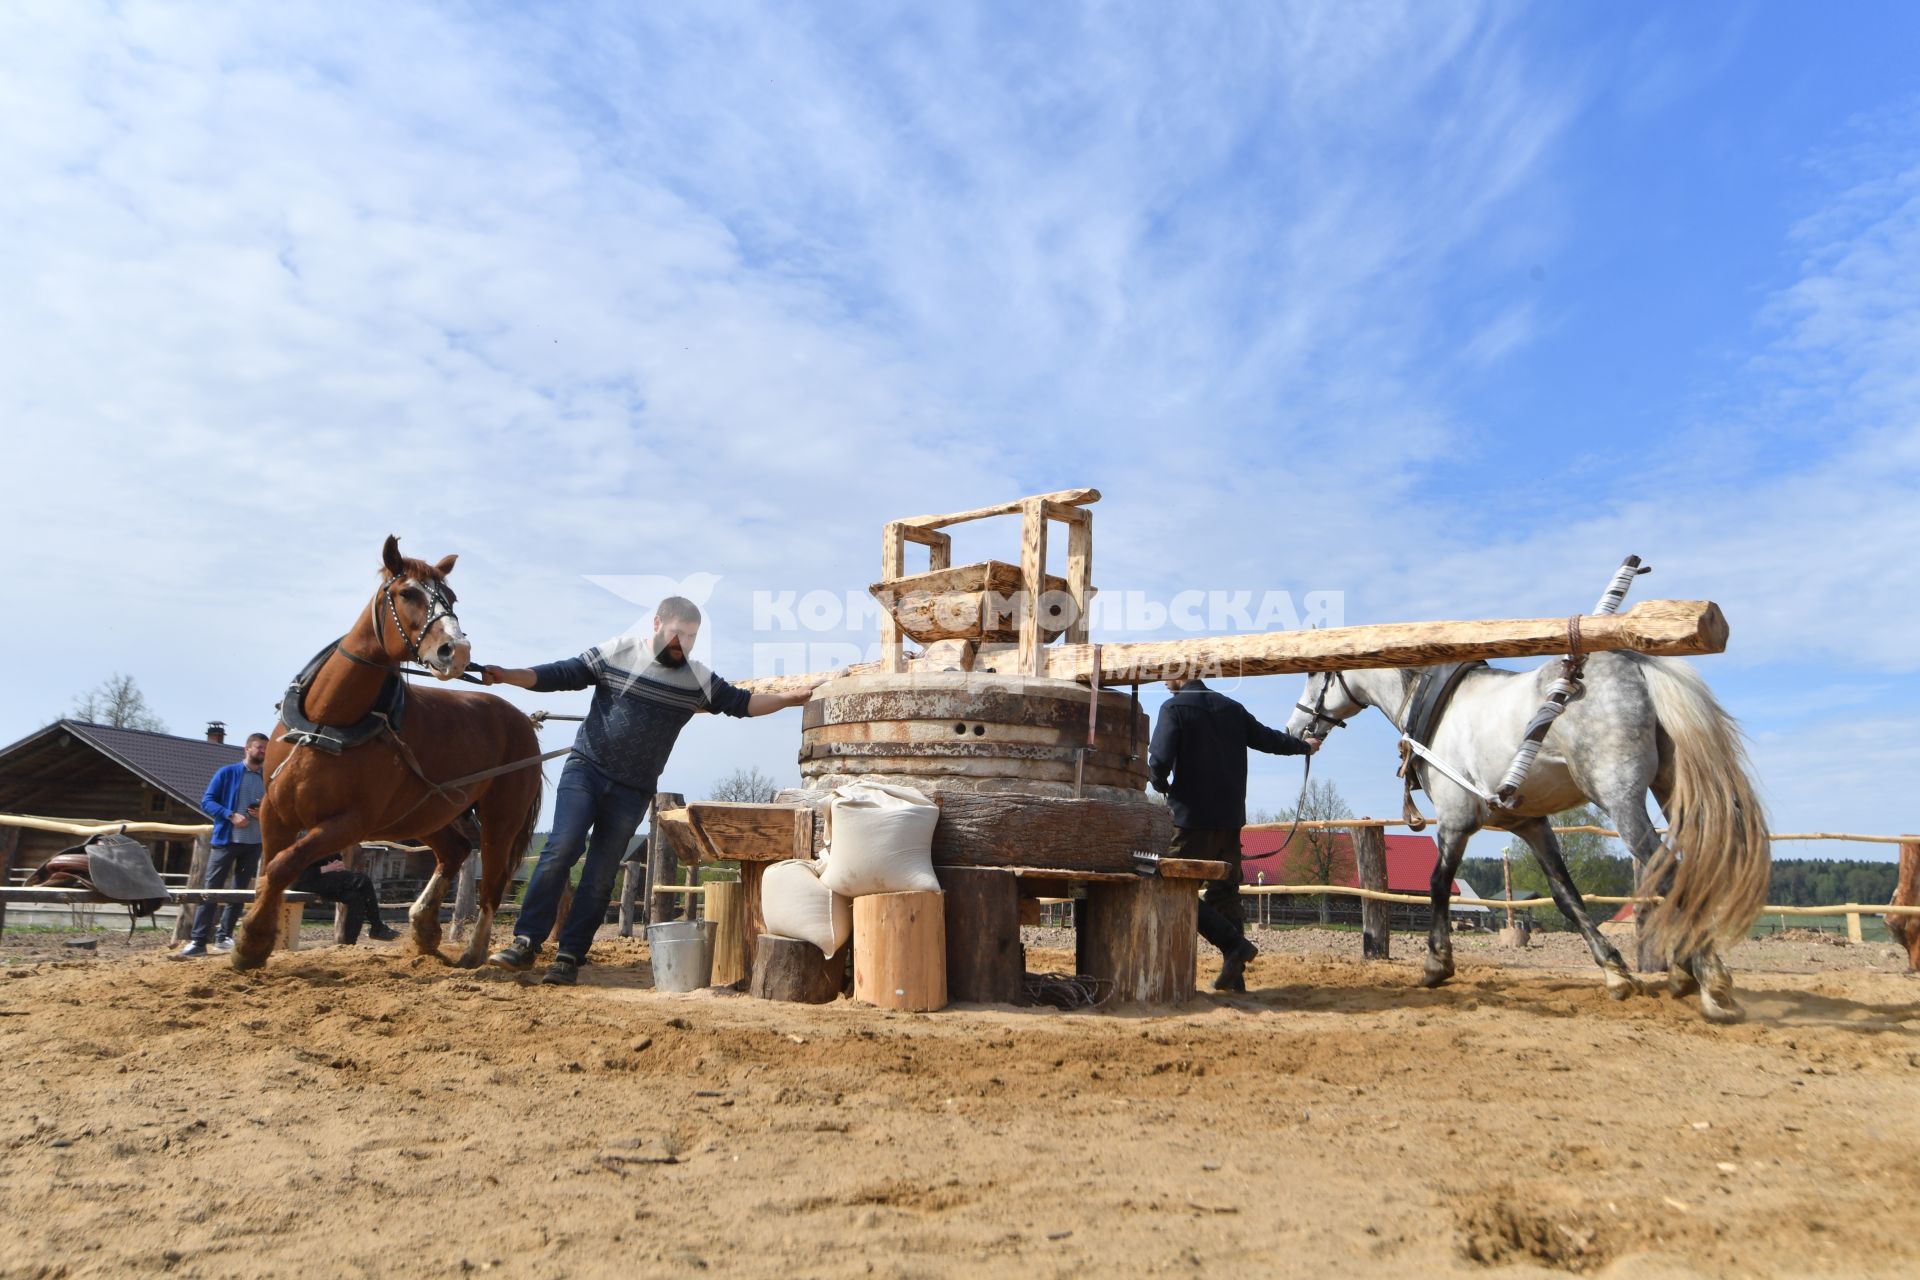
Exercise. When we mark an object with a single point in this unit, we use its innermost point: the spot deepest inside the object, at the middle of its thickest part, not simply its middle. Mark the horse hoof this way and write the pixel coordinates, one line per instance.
(467, 962)
(1435, 975)
(1724, 1014)
(1681, 983)
(243, 962)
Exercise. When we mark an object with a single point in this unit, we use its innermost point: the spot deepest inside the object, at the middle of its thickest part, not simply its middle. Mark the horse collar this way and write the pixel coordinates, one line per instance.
(303, 731)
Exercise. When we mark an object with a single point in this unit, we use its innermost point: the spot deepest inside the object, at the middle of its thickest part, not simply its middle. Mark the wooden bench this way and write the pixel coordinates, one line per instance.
(39, 895)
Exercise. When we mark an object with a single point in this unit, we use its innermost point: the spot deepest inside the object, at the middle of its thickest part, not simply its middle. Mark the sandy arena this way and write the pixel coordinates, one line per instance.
(366, 1112)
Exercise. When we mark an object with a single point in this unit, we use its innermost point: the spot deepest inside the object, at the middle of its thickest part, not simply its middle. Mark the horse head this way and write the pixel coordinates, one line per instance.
(413, 613)
(1326, 704)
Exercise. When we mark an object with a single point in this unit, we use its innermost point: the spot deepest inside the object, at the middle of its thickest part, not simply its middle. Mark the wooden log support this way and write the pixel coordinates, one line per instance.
(795, 971)
(900, 950)
(893, 564)
(1142, 937)
(631, 876)
(1080, 574)
(196, 879)
(1052, 831)
(727, 831)
(985, 961)
(1666, 627)
(663, 867)
(753, 917)
(1033, 584)
(725, 904)
(1905, 930)
(290, 914)
(1370, 855)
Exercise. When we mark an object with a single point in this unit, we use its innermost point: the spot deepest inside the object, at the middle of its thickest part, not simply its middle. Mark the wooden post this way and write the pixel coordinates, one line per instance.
(726, 906)
(1370, 856)
(893, 566)
(754, 919)
(632, 874)
(1853, 928)
(1032, 655)
(1142, 937)
(1905, 930)
(663, 868)
(1080, 574)
(900, 950)
(792, 970)
(985, 961)
(196, 879)
(290, 916)
(9, 850)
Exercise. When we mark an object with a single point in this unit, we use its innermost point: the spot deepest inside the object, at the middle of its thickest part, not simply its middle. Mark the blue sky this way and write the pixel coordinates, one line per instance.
(1445, 308)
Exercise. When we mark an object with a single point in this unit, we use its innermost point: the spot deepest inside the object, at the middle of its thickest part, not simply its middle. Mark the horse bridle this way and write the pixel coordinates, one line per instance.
(438, 607)
(1319, 708)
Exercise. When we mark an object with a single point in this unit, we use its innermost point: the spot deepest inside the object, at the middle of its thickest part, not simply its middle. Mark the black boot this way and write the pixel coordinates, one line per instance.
(1233, 967)
(379, 930)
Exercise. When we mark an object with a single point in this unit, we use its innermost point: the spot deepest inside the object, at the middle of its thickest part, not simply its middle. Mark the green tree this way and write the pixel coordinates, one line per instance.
(1598, 864)
(117, 701)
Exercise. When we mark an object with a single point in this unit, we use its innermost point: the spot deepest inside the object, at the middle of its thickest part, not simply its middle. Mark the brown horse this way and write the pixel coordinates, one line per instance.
(360, 768)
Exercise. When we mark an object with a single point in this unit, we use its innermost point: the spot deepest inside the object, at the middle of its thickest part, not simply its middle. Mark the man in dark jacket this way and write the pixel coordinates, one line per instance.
(1198, 760)
(232, 800)
(645, 689)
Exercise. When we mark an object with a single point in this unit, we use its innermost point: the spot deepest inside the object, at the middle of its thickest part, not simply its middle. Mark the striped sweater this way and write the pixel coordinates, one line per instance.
(639, 705)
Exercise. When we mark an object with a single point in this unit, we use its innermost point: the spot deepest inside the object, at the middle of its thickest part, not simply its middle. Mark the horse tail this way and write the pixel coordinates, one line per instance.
(1717, 850)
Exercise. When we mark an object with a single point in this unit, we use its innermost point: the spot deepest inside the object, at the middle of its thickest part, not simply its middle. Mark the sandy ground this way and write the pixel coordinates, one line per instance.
(366, 1112)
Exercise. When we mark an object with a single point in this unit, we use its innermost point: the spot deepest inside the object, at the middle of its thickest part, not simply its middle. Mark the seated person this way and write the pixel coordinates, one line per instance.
(332, 882)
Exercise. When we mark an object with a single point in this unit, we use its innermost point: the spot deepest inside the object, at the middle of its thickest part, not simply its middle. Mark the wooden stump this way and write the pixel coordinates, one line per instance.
(1142, 937)
(1370, 853)
(985, 961)
(795, 971)
(290, 913)
(900, 950)
(726, 906)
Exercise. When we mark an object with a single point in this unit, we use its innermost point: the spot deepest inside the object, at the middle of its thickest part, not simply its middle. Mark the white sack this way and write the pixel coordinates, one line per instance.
(882, 840)
(796, 905)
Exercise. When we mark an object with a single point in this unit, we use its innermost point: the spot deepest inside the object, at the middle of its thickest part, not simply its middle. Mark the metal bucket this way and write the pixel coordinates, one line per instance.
(682, 953)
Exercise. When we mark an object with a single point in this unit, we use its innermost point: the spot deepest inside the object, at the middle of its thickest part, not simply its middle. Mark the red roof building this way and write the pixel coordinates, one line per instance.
(1264, 859)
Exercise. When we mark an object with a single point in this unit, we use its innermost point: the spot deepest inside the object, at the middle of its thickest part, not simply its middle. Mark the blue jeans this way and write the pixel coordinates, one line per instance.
(238, 862)
(586, 799)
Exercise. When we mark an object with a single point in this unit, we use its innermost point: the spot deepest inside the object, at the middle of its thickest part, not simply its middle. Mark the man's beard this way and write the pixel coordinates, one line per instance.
(668, 658)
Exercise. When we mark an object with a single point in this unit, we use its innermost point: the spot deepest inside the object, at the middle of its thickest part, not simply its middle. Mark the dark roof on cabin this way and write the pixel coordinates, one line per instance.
(181, 767)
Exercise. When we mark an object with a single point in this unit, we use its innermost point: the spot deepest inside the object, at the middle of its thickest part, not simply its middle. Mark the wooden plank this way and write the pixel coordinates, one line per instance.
(900, 951)
(1190, 869)
(985, 961)
(1080, 575)
(1370, 855)
(1032, 658)
(730, 831)
(1142, 938)
(1064, 498)
(1665, 627)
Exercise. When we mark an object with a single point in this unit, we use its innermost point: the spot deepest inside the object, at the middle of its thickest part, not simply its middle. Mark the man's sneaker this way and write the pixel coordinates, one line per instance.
(221, 946)
(192, 951)
(563, 972)
(517, 955)
(1233, 967)
(380, 931)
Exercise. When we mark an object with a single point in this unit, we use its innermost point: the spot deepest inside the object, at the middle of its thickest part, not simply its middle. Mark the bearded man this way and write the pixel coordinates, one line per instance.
(644, 692)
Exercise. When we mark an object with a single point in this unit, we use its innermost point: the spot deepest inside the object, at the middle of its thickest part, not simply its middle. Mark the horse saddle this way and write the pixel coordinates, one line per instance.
(388, 709)
(116, 867)
(1431, 694)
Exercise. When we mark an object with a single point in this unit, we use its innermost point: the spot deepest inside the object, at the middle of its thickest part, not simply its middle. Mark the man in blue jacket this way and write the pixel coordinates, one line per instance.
(233, 802)
(645, 689)
(1198, 760)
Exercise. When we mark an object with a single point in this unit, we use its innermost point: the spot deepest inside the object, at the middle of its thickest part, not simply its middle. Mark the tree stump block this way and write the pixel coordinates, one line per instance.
(1370, 855)
(985, 961)
(795, 971)
(1142, 937)
(900, 950)
(725, 904)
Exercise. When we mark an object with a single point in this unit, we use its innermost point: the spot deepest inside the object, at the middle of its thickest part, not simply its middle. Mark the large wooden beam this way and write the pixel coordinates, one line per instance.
(1665, 627)
(1064, 498)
